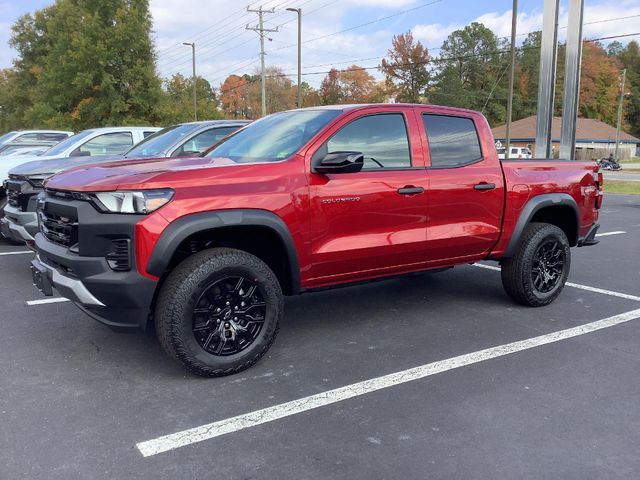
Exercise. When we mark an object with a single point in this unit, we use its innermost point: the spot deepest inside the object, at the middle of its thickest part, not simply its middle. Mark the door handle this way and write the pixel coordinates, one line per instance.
(410, 190)
(485, 186)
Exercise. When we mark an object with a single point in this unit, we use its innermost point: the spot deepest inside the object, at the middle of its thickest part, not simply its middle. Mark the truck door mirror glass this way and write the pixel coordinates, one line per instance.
(340, 162)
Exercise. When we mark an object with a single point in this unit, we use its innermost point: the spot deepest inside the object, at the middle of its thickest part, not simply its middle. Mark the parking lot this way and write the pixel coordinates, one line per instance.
(396, 379)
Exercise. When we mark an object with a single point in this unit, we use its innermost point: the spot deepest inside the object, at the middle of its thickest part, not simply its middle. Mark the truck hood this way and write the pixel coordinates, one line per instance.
(48, 166)
(132, 174)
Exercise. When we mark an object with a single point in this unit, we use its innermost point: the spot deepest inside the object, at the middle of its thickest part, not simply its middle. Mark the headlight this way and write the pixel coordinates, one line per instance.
(141, 202)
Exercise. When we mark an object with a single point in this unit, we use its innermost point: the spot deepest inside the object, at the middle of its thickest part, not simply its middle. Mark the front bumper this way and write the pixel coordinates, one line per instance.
(22, 226)
(81, 271)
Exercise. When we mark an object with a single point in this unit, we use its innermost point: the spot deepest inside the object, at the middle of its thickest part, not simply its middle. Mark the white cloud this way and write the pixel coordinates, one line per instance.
(432, 35)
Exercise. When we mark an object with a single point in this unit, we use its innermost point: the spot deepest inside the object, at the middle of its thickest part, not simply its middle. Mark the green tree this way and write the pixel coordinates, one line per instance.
(93, 64)
(471, 72)
(406, 69)
(629, 57)
(177, 102)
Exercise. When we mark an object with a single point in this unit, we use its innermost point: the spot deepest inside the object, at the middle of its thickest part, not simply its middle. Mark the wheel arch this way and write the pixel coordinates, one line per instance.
(559, 209)
(259, 232)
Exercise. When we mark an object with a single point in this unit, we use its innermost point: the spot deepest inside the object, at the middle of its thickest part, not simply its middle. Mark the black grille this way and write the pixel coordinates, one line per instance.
(15, 197)
(59, 229)
(119, 256)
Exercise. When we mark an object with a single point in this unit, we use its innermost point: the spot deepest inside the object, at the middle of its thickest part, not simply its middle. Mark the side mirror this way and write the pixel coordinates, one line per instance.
(80, 153)
(340, 162)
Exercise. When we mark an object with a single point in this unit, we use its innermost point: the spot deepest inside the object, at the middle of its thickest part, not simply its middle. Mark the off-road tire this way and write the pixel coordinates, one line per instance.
(517, 271)
(179, 295)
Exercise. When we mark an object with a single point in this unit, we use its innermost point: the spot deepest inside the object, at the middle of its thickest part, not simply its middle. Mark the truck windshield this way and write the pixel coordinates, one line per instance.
(59, 148)
(274, 137)
(157, 144)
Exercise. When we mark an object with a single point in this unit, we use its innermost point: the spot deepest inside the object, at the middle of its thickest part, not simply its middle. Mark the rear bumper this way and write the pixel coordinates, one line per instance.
(590, 238)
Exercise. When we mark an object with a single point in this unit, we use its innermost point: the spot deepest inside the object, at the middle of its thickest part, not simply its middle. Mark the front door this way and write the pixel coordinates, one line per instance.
(373, 221)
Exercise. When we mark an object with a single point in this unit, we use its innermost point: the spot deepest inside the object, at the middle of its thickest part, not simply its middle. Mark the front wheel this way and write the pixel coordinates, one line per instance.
(219, 311)
(536, 274)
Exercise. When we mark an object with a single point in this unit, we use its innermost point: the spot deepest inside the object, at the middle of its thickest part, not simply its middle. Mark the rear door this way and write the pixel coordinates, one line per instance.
(373, 221)
(466, 190)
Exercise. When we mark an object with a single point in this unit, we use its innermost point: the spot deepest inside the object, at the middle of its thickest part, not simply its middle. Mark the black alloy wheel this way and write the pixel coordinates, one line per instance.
(547, 266)
(229, 315)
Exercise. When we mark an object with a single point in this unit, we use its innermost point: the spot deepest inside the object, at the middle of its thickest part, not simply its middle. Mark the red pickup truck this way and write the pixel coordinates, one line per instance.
(206, 247)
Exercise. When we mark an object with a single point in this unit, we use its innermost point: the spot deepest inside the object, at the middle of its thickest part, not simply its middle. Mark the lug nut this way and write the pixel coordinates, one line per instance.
(236, 307)
(218, 321)
(218, 309)
(227, 325)
(228, 303)
(242, 304)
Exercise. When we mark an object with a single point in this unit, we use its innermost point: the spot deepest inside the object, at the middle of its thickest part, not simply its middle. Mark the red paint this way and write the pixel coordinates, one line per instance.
(381, 233)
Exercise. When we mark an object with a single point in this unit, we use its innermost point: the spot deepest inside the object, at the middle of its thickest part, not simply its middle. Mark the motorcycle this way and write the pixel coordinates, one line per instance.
(609, 163)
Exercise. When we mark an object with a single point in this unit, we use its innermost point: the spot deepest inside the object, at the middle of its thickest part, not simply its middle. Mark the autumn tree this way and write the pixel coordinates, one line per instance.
(352, 85)
(233, 96)
(599, 84)
(406, 68)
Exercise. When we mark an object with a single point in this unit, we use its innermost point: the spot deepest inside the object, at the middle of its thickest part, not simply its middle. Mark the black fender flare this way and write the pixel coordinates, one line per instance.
(188, 225)
(534, 205)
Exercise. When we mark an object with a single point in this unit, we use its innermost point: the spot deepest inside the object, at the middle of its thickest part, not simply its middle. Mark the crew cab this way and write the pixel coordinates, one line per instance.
(205, 248)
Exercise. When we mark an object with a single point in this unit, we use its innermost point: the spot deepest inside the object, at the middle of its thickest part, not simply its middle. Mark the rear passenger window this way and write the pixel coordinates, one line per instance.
(382, 139)
(453, 141)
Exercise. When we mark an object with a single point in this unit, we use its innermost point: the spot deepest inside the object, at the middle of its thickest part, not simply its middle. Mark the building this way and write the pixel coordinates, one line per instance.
(594, 139)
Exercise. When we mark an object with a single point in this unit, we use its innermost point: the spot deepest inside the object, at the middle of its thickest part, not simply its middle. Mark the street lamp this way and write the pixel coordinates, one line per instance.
(299, 12)
(193, 57)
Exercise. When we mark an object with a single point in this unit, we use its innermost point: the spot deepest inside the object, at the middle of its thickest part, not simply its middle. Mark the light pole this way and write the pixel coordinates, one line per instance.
(299, 12)
(620, 105)
(195, 100)
(512, 67)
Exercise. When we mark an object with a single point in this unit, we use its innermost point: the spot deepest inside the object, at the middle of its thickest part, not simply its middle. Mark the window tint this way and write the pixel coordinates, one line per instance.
(146, 134)
(106, 144)
(382, 139)
(453, 141)
(514, 150)
(204, 140)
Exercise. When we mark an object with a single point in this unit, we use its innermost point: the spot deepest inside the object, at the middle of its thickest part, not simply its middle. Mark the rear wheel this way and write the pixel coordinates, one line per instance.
(536, 275)
(219, 311)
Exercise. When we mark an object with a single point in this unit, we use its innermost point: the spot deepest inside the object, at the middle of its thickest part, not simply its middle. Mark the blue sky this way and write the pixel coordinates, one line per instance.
(225, 47)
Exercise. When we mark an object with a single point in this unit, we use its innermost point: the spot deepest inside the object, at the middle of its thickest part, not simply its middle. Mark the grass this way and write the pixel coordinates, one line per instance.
(615, 186)
(631, 160)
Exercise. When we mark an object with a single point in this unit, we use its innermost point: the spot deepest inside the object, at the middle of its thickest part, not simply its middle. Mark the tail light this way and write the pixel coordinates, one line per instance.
(599, 194)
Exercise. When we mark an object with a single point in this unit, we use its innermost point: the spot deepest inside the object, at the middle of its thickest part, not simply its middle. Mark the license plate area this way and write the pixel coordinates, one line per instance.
(41, 280)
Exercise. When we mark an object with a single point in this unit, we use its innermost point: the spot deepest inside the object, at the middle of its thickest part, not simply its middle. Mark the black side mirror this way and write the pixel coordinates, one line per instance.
(80, 153)
(340, 162)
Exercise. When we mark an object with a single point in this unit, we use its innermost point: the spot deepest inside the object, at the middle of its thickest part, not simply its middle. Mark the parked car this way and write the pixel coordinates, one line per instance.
(298, 201)
(21, 150)
(515, 152)
(85, 147)
(25, 181)
(29, 137)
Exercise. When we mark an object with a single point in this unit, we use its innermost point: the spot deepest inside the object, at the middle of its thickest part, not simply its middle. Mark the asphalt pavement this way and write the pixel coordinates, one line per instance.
(430, 376)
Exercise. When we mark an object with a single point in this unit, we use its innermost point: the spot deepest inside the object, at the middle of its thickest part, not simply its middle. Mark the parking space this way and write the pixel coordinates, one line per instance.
(80, 401)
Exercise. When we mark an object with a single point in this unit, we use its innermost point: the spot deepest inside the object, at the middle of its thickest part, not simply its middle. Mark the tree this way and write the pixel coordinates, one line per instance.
(629, 57)
(353, 85)
(177, 101)
(406, 69)
(330, 91)
(93, 64)
(233, 96)
(471, 72)
(280, 93)
(599, 84)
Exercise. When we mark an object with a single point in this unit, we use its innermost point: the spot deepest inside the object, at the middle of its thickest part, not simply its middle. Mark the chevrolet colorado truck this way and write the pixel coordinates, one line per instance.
(205, 248)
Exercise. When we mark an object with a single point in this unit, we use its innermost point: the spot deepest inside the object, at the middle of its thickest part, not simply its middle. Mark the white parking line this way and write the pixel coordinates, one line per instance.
(21, 252)
(626, 296)
(46, 301)
(259, 417)
(606, 234)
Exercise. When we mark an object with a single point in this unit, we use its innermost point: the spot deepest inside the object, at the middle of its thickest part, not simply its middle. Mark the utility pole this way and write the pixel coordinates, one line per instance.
(261, 31)
(195, 99)
(620, 105)
(512, 68)
(299, 12)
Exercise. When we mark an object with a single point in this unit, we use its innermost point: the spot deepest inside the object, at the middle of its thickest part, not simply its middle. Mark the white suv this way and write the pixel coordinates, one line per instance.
(515, 152)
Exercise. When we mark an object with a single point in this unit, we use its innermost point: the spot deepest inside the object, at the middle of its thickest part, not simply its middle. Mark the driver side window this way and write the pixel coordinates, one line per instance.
(381, 138)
